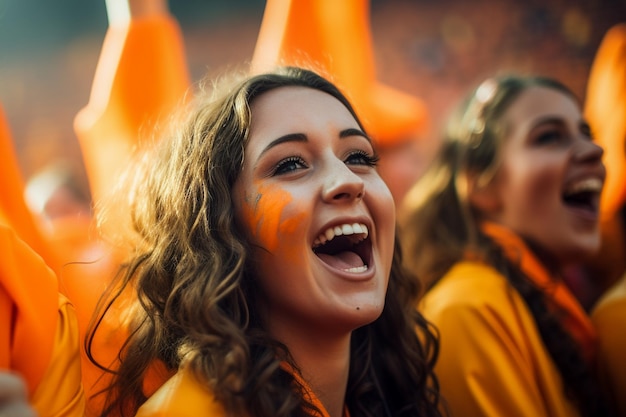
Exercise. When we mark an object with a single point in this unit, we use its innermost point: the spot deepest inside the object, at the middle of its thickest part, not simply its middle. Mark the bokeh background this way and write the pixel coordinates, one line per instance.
(434, 49)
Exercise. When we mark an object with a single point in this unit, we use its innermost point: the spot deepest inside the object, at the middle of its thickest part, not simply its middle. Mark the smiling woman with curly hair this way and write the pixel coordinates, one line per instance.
(268, 281)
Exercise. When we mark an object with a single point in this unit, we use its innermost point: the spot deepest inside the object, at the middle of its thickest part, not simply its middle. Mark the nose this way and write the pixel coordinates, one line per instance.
(588, 151)
(342, 185)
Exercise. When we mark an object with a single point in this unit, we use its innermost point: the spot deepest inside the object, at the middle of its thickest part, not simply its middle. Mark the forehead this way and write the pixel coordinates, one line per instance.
(294, 108)
(539, 102)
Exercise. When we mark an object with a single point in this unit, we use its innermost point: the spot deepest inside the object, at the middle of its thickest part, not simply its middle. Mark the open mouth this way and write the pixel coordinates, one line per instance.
(584, 195)
(346, 247)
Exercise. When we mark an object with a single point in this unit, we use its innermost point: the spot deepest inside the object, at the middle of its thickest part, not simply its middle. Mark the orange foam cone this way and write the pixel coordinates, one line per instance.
(334, 38)
(141, 76)
(605, 109)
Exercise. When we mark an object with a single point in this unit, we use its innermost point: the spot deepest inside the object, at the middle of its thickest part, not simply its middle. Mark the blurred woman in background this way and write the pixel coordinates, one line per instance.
(510, 202)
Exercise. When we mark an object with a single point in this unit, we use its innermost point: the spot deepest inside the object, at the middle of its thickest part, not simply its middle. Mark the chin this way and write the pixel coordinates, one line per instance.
(364, 314)
(581, 253)
(590, 246)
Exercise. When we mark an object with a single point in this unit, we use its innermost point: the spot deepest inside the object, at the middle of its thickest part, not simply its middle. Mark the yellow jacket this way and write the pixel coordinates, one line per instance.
(183, 396)
(609, 317)
(492, 360)
(60, 392)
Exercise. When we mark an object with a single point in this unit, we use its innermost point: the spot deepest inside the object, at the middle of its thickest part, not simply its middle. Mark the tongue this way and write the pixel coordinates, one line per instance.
(342, 260)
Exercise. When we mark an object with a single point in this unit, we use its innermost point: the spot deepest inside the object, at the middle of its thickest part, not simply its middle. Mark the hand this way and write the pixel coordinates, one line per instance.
(13, 396)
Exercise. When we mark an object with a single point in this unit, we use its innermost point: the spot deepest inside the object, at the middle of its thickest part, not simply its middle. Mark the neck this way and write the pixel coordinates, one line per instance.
(324, 363)
(504, 236)
(552, 265)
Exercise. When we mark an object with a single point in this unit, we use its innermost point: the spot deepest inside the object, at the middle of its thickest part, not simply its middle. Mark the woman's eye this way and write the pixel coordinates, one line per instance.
(362, 158)
(585, 129)
(548, 137)
(288, 165)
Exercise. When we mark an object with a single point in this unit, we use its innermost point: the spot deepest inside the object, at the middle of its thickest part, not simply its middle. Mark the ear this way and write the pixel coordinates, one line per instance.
(484, 196)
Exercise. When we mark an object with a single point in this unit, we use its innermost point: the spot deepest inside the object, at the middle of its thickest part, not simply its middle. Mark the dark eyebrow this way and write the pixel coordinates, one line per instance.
(301, 137)
(583, 126)
(291, 137)
(548, 120)
(354, 132)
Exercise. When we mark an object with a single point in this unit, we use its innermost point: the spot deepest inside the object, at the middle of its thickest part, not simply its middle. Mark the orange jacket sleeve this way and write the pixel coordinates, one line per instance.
(32, 314)
(40, 334)
(12, 203)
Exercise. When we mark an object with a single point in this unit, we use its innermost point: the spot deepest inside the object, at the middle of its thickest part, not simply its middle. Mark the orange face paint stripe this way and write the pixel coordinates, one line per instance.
(264, 216)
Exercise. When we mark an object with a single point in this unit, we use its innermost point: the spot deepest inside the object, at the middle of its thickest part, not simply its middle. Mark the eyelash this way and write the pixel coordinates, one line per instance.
(548, 137)
(281, 169)
(586, 130)
(555, 135)
(367, 159)
(354, 158)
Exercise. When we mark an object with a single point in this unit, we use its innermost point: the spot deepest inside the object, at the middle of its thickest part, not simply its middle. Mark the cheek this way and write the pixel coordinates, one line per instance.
(382, 205)
(383, 198)
(270, 216)
(536, 184)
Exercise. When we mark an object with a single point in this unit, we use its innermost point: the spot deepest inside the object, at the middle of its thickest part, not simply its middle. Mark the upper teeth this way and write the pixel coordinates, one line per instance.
(587, 185)
(341, 230)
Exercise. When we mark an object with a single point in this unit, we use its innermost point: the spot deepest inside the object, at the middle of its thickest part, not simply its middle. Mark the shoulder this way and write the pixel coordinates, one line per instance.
(475, 295)
(610, 313)
(23, 264)
(469, 285)
(182, 396)
(612, 304)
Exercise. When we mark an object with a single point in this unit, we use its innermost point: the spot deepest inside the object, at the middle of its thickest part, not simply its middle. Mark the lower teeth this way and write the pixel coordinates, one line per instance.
(357, 269)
